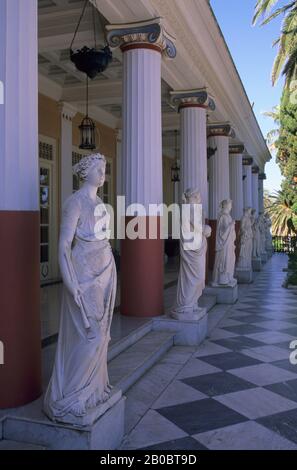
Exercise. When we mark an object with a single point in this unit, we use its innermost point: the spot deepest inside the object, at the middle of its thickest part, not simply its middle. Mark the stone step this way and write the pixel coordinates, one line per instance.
(127, 338)
(6, 444)
(207, 301)
(125, 369)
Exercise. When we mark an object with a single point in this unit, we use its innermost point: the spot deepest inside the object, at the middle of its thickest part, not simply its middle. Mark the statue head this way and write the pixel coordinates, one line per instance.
(226, 205)
(248, 211)
(91, 169)
(191, 196)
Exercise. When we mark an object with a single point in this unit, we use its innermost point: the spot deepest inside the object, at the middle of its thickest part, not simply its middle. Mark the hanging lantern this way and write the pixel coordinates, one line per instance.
(87, 128)
(175, 173)
(90, 60)
(175, 169)
(87, 134)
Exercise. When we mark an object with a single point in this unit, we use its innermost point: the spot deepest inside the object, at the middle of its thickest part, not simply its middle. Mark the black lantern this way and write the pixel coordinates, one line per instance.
(175, 173)
(90, 60)
(175, 169)
(87, 128)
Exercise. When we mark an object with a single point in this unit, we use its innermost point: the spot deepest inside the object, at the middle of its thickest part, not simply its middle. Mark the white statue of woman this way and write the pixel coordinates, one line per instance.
(256, 236)
(268, 224)
(262, 228)
(223, 272)
(79, 381)
(246, 241)
(191, 280)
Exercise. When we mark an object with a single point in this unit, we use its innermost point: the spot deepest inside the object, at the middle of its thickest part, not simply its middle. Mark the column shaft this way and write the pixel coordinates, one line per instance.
(20, 376)
(142, 260)
(194, 151)
(219, 185)
(247, 186)
(255, 193)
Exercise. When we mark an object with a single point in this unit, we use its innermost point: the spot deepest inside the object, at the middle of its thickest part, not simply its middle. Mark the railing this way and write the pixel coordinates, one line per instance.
(286, 244)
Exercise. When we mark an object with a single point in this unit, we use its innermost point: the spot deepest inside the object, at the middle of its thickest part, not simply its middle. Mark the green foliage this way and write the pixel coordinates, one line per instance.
(286, 59)
(279, 206)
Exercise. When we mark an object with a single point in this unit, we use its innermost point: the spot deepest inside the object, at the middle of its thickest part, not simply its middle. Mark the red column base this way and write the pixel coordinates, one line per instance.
(20, 375)
(142, 274)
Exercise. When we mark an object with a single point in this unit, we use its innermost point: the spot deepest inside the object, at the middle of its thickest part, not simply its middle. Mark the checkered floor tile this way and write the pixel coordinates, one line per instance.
(239, 389)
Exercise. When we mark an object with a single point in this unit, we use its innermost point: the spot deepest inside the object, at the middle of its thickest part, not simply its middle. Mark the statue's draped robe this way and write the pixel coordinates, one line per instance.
(246, 244)
(80, 379)
(191, 279)
(223, 272)
(256, 239)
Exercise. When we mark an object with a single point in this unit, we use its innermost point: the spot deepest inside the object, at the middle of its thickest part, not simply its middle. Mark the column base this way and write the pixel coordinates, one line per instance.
(244, 276)
(224, 294)
(20, 375)
(187, 332)
(257, 264)
(142, 272)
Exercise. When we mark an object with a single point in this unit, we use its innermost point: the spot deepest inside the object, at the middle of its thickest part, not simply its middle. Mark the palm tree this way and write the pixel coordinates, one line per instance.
(273, 135)
(286, 59)
(280, 209)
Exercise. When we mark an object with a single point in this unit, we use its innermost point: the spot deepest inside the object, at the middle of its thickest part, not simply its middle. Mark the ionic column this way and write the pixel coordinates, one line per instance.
(247, 182)
(142, 45)
(255, 189)
(68, 112)
(119, 173)
(20, 375)
(236, 187)
(193, 106)
(219, 182)
(261, 178)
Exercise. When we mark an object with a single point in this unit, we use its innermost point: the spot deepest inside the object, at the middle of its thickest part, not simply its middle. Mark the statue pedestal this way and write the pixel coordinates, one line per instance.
(256, 264)
(187, 332)
(224, 294)
(32, 426)
(264, 257)
(244, 276)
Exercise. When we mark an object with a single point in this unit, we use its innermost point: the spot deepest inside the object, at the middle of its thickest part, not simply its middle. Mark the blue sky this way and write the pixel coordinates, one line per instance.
(253, 54)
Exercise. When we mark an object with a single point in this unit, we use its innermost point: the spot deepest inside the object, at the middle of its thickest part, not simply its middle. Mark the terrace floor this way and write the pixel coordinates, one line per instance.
(236, 391)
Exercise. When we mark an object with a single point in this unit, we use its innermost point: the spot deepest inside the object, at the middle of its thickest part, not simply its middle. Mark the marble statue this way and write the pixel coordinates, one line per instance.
(191, 279)
(262, 228)
(256, 236)
(268, 235)
(79, 382)
(224, 266)
(246, 241)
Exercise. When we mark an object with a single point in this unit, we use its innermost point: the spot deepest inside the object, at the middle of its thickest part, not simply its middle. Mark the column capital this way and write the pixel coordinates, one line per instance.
(247, 160)
(220, 129)
(149, 34)
(197, 98)
(67, 111)
(255, 170)
(262, 176)
(236, 149)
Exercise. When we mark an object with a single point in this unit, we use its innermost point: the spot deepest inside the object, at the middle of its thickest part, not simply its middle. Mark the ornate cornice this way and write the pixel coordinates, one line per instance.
(224, 129)
(247, 160)
(145, 34)
(236, 149)
(198, 98)
(255, 170)
(262, 176)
